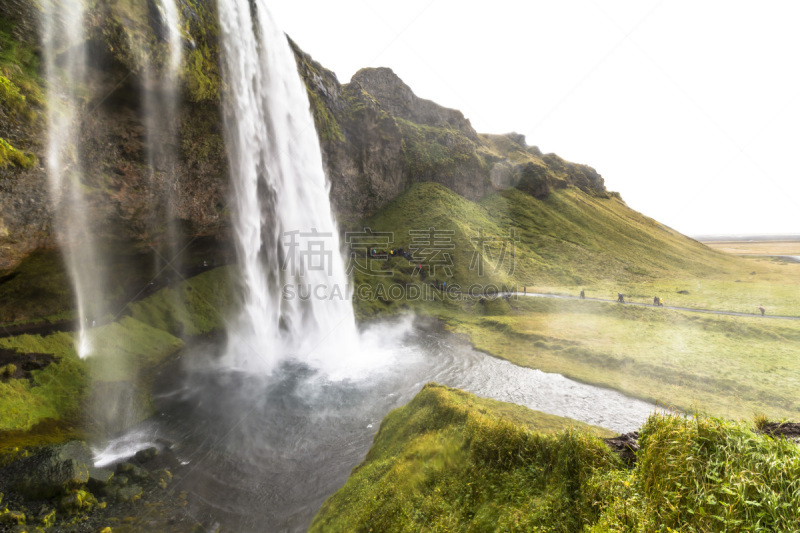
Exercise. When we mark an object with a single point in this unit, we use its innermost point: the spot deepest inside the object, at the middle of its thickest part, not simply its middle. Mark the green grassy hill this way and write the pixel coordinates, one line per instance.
(569, 237)
(568, 240)
(448, 461)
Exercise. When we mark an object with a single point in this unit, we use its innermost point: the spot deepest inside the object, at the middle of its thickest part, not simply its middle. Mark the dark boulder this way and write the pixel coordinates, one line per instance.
(625, 446)
(787, 430)
(54, 470)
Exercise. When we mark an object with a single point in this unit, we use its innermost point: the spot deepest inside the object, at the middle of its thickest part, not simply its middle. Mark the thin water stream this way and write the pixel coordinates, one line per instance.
(263, 453)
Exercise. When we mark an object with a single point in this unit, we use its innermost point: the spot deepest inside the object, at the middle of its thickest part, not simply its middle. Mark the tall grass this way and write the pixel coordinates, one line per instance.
(707, 474)
(451, 462)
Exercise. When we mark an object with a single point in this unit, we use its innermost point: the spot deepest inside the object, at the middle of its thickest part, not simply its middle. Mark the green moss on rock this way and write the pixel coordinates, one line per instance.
(10, 156)
(201, 73)
(20, 84)
(327, 127)
(431, 150)
(194, 307)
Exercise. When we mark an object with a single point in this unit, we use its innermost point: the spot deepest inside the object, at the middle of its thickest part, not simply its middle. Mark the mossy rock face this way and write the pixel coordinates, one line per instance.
(54, 470)
(148, 454)
(11, 156)
(12, 517)
(99, 478)
(77, 501)
(129, 493)
(47, 518)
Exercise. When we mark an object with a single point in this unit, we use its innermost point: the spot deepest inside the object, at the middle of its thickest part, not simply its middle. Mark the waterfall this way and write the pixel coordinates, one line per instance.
(296, 301)
(65, 59)
(161, 108)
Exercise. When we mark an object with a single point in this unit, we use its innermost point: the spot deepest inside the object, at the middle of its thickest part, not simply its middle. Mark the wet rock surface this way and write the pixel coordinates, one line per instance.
(53, 471)
(59, 489)
(787, 430)
(16, 365)
(625, 446)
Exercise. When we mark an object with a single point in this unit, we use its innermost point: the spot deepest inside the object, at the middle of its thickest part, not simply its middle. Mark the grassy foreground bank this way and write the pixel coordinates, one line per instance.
(448, 461)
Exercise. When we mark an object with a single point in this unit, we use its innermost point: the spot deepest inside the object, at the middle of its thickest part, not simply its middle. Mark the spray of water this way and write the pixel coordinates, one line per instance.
(284, 229)
(65, 60)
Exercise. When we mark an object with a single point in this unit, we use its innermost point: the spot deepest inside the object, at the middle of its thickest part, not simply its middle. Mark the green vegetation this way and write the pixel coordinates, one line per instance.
(448, 461)
(313, 75)
(201, 65)
(451, 462)
(431, 151)
(19, 66)
(11, 156)
(39, 290)
(20, 90)
(565, 240)
(726, 366)
(327, 127)
(20, 97)
(57, 391)
(196, 306)
(8, 371)
(11, 97)
(125, 351)
(571, 240)
(704, 474)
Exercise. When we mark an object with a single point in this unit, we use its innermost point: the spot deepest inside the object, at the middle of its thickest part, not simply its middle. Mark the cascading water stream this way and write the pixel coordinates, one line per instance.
(161, 108)
(65, 58)
(285, 232)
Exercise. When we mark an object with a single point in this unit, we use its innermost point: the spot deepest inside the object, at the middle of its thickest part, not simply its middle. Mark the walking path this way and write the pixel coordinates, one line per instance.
(641, 304)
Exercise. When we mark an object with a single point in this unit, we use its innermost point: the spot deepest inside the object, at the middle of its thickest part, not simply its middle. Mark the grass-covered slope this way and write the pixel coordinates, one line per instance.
(565, 241)
(567, 238)
(704, 474)
(450, 462)
(126, 353)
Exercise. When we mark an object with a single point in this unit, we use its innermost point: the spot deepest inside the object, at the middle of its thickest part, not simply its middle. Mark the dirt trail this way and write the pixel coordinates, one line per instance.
(642, 304)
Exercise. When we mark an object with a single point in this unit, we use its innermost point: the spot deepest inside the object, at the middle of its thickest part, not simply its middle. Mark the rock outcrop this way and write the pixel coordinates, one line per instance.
(377, 137)
(399, 100)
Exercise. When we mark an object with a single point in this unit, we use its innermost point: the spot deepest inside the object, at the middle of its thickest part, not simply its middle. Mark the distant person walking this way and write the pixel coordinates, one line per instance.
(583, 294)
(655, 300)
(661, 302)
(761, 308)
(620, 298)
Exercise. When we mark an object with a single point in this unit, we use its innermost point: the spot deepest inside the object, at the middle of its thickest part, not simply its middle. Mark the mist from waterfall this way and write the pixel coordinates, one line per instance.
(65, 62)
(286, 237)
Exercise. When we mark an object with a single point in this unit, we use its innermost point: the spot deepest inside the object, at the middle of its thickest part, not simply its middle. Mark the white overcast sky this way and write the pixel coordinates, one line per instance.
(690, 109)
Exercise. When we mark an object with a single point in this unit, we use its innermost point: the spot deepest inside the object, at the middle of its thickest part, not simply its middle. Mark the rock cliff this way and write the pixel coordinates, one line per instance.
(377, 136)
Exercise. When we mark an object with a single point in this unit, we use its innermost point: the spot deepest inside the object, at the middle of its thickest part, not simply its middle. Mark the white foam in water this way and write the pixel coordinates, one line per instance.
(378, 352)
(123, 447)
(284, 229)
